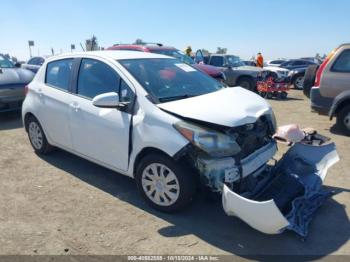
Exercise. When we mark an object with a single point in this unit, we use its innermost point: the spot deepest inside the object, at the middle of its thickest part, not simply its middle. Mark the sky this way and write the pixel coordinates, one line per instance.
(277, 28)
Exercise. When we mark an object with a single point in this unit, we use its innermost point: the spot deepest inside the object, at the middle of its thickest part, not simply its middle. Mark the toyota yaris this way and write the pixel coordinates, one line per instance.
(172, 127)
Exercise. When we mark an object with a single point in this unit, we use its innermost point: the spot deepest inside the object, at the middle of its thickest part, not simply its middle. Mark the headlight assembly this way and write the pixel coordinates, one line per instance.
(210, 141)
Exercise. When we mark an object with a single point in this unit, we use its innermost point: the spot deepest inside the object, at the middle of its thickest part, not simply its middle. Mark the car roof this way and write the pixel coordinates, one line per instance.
(144, 48)
(110, 54)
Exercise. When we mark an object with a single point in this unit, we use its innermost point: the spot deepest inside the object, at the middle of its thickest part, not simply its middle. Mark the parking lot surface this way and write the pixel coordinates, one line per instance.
(62, 204)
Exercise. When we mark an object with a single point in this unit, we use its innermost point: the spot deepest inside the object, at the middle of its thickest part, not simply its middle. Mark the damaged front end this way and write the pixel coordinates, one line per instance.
(270, 197)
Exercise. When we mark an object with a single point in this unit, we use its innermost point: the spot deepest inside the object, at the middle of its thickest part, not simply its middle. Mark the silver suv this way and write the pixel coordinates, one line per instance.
(331, 91)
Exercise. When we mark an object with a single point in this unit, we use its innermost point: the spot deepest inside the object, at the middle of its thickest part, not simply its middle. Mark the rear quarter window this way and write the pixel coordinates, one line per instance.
(58, 73)
(342, 63)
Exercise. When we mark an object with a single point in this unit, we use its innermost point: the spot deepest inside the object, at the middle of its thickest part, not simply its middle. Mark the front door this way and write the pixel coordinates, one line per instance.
(99, 133)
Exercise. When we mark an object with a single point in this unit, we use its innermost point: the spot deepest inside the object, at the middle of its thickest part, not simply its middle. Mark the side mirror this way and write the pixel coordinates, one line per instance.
(18, 65)
(228, 66)
(106, 100)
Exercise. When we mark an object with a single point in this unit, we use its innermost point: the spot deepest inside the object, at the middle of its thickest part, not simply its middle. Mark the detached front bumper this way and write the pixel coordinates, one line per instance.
(288, 199)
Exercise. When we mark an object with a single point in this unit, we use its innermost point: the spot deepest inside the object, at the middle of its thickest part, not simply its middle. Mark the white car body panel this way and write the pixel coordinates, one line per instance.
(237, 107)
(281, 72)
(262, 216)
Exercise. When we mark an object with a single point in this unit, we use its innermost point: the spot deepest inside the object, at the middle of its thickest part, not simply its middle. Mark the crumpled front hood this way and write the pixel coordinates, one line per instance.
(15, 76)
(227, 107)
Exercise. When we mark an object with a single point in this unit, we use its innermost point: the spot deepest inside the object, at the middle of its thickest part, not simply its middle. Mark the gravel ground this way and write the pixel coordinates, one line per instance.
(62, 204)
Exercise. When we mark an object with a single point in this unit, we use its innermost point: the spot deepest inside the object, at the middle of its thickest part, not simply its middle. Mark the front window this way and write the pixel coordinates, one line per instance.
(234, 61)
(175, 53)
(5, 63)
(169, 79)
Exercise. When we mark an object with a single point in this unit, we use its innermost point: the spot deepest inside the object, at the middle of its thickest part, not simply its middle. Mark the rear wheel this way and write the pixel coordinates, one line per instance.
(246, 83)
(37, 136)
(165, 184)
(298, 82)
(343, 120)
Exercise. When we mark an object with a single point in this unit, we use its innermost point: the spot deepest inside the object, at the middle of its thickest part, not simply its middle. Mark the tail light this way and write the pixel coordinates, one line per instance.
(322, 67)
(25, 90)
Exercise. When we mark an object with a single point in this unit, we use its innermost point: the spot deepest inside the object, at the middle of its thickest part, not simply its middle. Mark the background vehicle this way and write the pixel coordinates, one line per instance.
(236, 72)
(276, 62)
(331, 91)
(171, 51)
(34, 63)
(297, 69)
(12, 82)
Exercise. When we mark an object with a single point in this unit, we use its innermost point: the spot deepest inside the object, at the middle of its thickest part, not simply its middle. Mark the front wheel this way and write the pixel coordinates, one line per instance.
(165, 184)
(246, 83)
(343, 120)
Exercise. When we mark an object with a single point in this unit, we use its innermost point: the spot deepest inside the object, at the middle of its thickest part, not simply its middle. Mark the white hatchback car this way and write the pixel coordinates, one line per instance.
(161, 121)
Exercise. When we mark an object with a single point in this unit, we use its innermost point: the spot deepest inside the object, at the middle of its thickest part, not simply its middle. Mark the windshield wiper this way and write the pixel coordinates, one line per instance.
(173, 98)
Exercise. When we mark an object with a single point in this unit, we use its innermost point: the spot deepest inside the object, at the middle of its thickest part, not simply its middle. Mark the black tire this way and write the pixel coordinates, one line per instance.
(296, 82)
(186, 181)
(283, 95)
(309, 79)
(343, 120)
(44, 147)
(247, 83)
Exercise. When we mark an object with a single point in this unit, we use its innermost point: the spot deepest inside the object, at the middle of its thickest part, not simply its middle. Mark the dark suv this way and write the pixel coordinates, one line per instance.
(171, 51)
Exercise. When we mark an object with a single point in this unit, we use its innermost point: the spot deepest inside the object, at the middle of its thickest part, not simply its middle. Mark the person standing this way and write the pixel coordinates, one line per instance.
(259, 60)
(188, 50)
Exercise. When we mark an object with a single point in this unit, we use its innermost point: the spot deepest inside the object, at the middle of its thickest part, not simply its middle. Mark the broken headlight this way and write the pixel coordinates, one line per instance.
(210, 141)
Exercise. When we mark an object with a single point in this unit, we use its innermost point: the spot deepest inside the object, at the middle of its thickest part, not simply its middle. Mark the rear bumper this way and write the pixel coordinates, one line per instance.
(319, 103)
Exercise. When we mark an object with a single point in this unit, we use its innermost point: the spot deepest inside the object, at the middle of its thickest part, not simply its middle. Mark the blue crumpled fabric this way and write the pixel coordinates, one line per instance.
(304, 207)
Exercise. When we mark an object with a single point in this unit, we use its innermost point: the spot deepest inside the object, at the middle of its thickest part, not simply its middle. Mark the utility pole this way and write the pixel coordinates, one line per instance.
(30, 44)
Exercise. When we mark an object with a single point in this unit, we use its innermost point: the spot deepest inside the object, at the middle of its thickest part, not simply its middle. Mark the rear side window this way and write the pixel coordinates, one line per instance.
(95, 78)
(217, 60)
(342, 64)
(58, 73)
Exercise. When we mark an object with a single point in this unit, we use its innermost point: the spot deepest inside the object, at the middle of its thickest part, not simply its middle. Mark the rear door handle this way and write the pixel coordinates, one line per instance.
(75, 106)
(40, 92)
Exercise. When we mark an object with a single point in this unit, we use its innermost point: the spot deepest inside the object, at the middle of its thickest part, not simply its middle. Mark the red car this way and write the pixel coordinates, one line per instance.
(171, 51)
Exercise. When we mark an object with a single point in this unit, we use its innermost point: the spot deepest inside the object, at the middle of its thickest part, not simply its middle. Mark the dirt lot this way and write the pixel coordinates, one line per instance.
(62, 204)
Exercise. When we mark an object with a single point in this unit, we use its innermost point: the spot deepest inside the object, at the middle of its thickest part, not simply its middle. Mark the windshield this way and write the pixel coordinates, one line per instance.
(175, 53)
(169, 79)
(5, 63)
(234, 61)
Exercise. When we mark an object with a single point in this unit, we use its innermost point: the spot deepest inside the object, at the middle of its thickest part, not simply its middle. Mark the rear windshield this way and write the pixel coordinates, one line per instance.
(169, 79)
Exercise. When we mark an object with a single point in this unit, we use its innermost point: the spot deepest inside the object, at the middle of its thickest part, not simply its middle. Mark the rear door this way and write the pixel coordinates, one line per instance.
(54, 96)
(336, 77)
(101, 134)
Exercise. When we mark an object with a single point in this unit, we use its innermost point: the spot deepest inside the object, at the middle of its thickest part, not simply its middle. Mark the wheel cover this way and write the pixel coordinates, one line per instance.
(35, 135)
(245, 85)
(347, 121)
(299, 82)
(160, 184)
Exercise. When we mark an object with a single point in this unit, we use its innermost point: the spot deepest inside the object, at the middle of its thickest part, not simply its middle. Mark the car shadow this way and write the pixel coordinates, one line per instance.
(336, 131)
(206, 219)
(10, 120)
